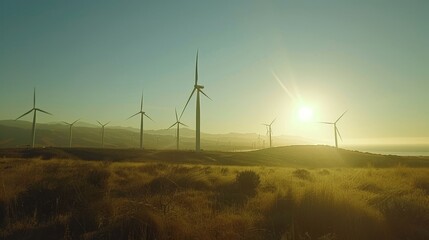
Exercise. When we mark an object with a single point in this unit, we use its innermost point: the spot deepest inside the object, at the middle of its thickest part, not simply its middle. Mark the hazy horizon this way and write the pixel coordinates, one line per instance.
(298, 61)
(396, 146)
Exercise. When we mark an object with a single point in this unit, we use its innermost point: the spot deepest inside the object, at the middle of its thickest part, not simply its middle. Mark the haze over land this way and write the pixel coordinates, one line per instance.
(17, 134)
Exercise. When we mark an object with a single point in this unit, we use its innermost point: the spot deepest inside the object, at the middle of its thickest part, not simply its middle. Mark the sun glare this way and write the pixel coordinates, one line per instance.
(305, 114)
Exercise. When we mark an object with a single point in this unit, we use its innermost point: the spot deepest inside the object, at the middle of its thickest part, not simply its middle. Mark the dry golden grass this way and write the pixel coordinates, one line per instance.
(71, 199)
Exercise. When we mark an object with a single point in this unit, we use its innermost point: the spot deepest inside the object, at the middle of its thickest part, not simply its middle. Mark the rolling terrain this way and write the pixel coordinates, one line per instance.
(308, 156)
(17, 134)
(296, 192)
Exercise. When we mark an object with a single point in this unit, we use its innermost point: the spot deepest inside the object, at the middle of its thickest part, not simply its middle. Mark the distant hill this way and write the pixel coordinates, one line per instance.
(18, 134)
(305, 156)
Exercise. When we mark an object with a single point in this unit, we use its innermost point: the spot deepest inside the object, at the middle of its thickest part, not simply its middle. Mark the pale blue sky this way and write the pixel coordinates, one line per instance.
(91, 59)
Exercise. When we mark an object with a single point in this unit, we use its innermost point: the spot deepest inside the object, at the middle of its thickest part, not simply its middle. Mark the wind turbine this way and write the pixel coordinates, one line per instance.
(336, 131)
(142, 114)
(269, 129)
(70, 135)
(33, 136)
(178, 123)
(199, 89)
(102, 132)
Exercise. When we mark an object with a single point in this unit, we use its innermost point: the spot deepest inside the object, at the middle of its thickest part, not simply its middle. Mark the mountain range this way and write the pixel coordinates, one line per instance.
(18, 134)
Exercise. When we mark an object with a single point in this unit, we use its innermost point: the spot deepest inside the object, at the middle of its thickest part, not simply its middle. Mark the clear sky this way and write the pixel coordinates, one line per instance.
(91, 60)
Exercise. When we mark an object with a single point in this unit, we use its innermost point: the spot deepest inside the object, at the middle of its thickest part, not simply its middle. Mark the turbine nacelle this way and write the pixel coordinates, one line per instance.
(34, 110)
(336, 131)
(142, 115)
(198, 86)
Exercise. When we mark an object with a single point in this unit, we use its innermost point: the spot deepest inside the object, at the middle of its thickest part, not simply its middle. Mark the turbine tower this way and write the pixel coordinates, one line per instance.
(199, 89)
(178, 123)
(102, 132)
(70, 134)
(269, 131)
(33, 136)
(336, 131)
(142, 114)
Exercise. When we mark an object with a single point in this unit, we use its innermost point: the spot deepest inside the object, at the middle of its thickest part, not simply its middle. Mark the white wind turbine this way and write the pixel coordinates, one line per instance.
(199, 89)
(269, 131)
(33, 136)
(102, 132)
(142, 114)
(336, 131)
(70, 134)
(178, 123)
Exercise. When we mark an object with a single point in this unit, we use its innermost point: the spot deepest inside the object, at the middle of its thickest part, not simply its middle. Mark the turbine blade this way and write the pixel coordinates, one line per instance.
(106, 124)
(273, 121)
(24, 114)
(196, 69)
(75, 122)
(100, 123)
(189, 99)
(34, 98)
(175, 111)
(341, 116)
(339, 134)
(201, 91)
(148, 117)
(66, 123)
(134, 115)
(141, 103)
(172, 125)
(183, 124)
(326, 122)
(40, 110)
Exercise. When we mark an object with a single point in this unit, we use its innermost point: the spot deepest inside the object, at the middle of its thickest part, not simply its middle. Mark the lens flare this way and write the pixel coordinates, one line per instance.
(305, 114)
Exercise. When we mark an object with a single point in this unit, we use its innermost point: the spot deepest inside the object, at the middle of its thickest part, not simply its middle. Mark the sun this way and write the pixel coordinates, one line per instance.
(305, 114)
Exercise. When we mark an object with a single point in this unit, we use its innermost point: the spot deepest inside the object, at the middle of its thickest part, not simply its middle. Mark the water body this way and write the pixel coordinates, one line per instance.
(393, 149)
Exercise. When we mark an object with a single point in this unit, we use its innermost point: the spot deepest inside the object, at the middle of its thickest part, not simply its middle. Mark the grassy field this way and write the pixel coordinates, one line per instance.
(203, 197)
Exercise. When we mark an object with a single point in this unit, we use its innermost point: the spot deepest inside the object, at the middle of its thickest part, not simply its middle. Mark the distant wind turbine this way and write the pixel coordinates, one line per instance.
(336, 131)
(269, 131)
(33, 137)
(142, 114)
(199, 90)
(70, 134)
(102, 132)
(178, 123)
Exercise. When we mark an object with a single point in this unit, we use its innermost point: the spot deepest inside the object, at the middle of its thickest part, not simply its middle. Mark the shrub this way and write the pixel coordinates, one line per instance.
(236, 193)
(247, 182)
(407, 214)
(98, 177)
(81, 197)
(422, 183)
(302, 174)
(132, 224)
(324, 172)
(321, 212)
(278, 218)
(161, 185)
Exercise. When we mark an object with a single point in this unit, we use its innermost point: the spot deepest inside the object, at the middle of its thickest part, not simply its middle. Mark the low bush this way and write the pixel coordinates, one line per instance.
(407, 214)
(422, 182)
(132, 224)
(236, 193)
(321, 212)
(247, 182)
(302, 174)
(278, 218)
